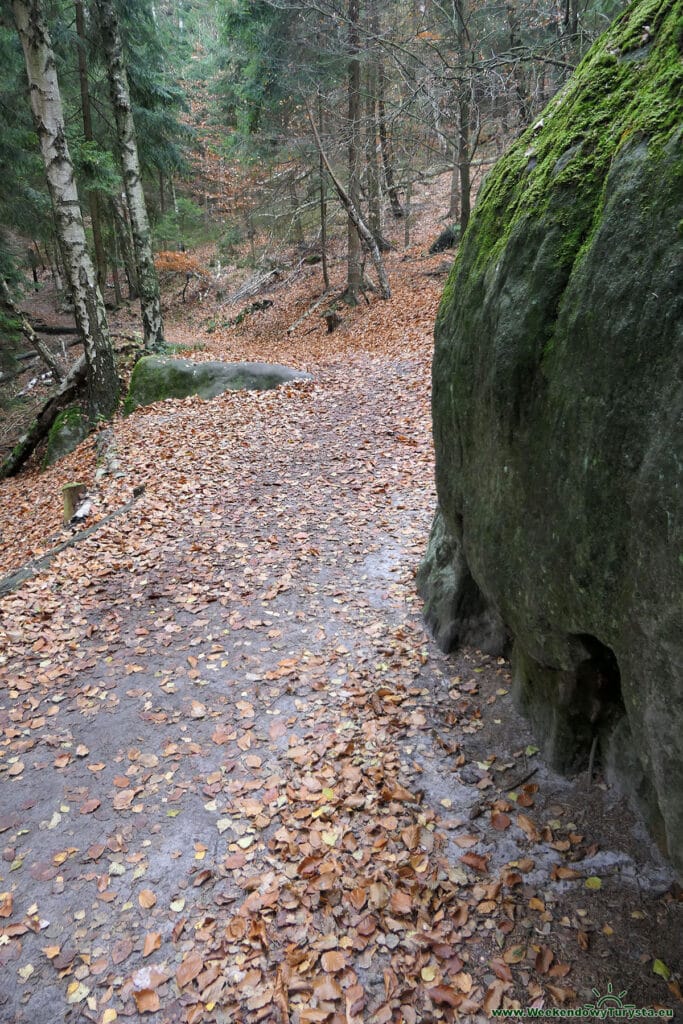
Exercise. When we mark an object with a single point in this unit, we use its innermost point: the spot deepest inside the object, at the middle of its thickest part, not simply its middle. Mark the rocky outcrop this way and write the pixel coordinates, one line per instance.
(66, 433)
(557, 419)
(158, 377)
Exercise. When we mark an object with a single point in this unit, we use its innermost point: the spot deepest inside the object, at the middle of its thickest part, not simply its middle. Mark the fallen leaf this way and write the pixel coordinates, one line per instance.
(190, 967)
(152, 942)
(146, 1000)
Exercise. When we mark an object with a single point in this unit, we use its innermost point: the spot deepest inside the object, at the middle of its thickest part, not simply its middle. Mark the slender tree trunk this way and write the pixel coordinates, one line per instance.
(355, 217)
(454, 207)
(464, 158)
(521, 91)
(354, 272)
(148, 282)
(125, 244)
(102, 381)
(323, 203)
(116, 260)
(464, 48)
(385, 144)
(93, 201)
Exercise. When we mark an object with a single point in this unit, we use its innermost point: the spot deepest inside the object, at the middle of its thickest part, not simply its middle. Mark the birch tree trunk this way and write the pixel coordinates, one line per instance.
(148, 283)
(93, 200)
(102, 386)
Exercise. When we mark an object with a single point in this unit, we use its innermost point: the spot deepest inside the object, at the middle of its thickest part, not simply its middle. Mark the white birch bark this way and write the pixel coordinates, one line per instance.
(148, 282)
(46, 104)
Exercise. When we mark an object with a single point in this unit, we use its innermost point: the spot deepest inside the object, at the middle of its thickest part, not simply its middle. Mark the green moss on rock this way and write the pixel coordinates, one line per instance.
(557, 414)
(66, 433)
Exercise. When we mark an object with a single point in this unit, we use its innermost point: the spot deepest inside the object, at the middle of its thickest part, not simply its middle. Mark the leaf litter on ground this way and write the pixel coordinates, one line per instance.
(239, 783)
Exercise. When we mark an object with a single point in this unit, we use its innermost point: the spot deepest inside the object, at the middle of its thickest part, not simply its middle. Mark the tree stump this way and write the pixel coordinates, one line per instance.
(72, 494)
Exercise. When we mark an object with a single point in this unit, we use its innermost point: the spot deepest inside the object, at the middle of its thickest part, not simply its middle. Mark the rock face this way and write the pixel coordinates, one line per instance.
(557, 407)
(158, 377)
(66, 433)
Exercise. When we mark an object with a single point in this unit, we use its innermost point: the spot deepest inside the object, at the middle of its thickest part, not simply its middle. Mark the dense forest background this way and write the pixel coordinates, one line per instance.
(266, 124)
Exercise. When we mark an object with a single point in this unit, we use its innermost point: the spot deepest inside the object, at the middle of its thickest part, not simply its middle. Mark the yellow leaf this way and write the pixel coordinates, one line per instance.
(109, 1016)
(660, 968)
(76, 992)
(428, 973)
(593, 882)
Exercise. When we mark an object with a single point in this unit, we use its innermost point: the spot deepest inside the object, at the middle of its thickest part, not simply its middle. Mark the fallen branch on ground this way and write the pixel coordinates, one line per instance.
(49, 412)
(15, 579)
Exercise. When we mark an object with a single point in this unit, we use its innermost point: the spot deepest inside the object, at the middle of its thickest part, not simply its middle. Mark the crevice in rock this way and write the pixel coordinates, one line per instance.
(598, 704)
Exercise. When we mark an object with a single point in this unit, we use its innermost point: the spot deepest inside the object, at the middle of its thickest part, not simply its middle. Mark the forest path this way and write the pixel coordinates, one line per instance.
(241, 784)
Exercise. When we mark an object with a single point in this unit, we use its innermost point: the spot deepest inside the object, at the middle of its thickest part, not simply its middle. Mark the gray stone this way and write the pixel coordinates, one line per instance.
(557, 409)
(158, 377)
(66, 433)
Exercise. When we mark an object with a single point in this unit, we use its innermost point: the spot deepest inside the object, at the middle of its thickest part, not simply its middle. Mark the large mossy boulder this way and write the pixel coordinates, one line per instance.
(557, 407)
(158, 377)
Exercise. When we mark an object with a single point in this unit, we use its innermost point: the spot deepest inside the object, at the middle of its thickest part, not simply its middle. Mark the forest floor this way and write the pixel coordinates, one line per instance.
(238, 780)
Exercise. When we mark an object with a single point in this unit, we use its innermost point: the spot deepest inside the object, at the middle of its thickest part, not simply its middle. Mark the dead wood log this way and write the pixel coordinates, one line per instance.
(311, 309)
(15, 579)
(29, 333)
(48, 413)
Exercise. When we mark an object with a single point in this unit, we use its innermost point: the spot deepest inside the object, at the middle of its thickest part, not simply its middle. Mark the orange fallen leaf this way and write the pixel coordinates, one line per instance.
(146, 1000)
(476, 861)
(146, 899)
(494, 995)
(152, 942)
(189, 969)
(444, 995)
(544, 958)
(332, 961)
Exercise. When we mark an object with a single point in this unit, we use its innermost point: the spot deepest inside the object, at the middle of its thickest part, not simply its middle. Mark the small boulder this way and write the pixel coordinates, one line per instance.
(66, 433)
(156, 378)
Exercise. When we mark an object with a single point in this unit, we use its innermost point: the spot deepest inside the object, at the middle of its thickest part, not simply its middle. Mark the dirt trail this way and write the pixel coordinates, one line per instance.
(238, 781)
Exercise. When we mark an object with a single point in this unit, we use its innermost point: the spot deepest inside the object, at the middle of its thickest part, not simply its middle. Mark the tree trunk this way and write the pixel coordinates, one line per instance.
(385, 145)
(454, 207)
(125, 245)
(354, 279)
(323, 205)
(521, 91)
(102, 381)
(148, 282)
(93, 201)
(464, 157)
(355, 217)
